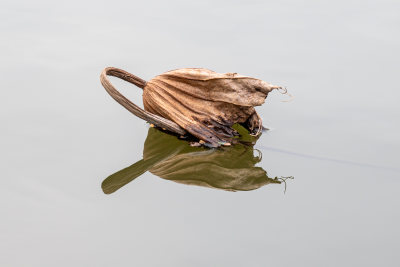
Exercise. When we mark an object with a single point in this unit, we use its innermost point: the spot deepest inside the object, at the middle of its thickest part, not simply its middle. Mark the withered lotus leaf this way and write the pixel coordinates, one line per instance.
(199, 101)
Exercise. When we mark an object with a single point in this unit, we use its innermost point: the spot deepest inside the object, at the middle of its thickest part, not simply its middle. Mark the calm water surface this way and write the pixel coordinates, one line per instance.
(85, 183)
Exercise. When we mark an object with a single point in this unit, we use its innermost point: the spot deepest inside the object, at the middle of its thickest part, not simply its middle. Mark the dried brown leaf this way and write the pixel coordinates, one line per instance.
(206, 103)
(199, 101)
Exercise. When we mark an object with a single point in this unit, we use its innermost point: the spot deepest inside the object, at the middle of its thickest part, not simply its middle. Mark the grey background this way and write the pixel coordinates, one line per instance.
(61, 134)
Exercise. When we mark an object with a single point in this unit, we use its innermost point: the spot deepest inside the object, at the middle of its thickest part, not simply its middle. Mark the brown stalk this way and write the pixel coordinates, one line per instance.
(126, 103)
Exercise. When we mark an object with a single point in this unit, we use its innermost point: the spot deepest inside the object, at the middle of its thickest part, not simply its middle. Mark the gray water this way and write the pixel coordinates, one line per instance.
(62, 135)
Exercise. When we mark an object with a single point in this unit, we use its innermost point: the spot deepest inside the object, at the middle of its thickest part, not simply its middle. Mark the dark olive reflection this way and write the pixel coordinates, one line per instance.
(229, 168)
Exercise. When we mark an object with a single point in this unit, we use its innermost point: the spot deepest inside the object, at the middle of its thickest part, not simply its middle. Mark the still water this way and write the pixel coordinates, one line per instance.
(85, 183)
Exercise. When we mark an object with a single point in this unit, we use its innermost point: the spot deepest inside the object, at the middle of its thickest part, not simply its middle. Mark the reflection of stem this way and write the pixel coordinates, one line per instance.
(117, 180)
(283, 180)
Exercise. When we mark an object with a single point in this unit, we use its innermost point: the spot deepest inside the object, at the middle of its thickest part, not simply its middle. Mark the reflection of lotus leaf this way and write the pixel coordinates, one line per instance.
(229, 168)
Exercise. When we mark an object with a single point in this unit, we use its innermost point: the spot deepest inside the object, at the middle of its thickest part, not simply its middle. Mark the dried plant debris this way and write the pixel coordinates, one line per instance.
(197, 101)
